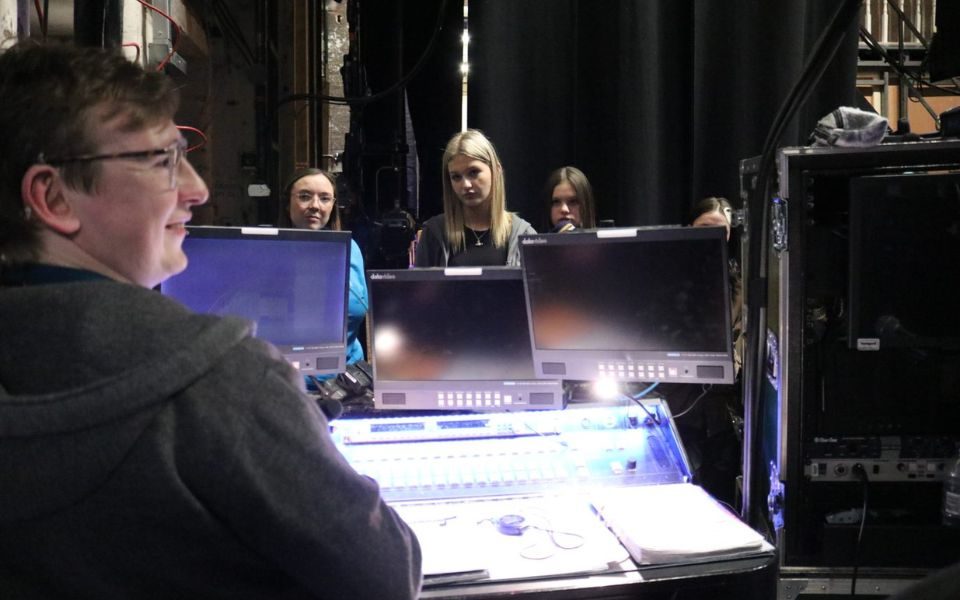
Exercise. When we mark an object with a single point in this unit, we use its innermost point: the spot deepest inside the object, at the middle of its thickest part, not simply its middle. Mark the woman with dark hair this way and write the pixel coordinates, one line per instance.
(715, 211)
(710, 418)
(712, 211)
(475, 228)
(569, 200)
(309, 202)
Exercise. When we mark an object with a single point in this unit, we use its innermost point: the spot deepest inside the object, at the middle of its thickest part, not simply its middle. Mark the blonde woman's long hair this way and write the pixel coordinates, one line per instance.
(474, 144)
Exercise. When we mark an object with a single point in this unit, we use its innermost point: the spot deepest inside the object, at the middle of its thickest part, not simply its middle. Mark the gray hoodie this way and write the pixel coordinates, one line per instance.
(149, 452)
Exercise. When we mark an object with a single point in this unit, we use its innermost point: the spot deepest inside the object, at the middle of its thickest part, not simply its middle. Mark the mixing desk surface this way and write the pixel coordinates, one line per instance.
(588, 491)
(462, 456)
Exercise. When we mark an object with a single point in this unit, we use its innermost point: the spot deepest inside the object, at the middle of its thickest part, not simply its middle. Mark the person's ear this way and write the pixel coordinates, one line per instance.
(43, 194)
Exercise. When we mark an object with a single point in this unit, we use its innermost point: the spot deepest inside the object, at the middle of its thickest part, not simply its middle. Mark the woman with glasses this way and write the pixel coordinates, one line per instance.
(475, 228)
(310, 203)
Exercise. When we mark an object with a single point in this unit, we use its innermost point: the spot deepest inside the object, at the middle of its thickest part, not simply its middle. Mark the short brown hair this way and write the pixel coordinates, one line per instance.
(53, 95)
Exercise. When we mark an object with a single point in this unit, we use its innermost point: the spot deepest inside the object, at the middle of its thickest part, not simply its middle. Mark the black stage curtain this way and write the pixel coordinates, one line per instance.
(434, 94)
(656, 101)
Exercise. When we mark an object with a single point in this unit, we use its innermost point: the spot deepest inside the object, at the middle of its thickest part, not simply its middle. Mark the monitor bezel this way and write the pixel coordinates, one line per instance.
(304, 358)
(423, 393)
(668, 366)
(870, 197)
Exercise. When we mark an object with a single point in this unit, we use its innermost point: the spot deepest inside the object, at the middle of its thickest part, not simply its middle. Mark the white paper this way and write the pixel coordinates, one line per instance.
(674, 523)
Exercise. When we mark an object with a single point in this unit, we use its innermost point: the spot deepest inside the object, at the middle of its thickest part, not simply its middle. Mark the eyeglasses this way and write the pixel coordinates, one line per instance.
(305, 197)
(174, 155)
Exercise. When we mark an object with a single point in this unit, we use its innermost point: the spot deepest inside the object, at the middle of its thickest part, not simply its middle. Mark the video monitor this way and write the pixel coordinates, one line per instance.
(644, 304)
(454, 339)
(292, 283)
(904, 252)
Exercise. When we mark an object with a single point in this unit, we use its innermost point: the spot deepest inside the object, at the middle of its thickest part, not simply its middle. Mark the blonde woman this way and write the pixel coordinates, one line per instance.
(475, 228)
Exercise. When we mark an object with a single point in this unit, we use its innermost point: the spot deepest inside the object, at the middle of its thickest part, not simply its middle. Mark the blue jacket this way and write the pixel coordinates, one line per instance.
(357, 309)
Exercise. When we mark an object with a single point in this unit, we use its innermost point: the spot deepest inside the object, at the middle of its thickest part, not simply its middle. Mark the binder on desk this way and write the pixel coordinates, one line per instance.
(672, 523)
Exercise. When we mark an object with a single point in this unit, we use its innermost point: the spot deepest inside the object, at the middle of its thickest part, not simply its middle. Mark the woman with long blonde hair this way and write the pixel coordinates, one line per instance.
(475, 227)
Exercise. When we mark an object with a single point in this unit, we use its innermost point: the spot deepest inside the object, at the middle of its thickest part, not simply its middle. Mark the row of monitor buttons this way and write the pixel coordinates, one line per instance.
(629, 370)
(472, 399)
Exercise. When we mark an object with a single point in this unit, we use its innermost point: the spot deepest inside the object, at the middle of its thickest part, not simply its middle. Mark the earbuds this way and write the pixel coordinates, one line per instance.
(516, 525)
(511, 525)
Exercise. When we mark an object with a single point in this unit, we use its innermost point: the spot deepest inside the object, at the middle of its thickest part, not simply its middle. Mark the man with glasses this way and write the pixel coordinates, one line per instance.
(146, 451)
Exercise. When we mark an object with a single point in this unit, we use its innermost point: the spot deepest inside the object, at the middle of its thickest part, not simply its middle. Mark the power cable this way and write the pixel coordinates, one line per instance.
(823, 52)
(861, 475)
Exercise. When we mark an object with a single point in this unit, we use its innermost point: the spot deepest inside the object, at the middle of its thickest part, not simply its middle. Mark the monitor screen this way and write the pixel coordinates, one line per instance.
(647, 304)
(454, 339)
(291, 283)
(882, 290)
(904, 250)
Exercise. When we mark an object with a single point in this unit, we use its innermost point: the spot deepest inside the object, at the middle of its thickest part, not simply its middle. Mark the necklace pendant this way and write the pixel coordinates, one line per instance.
(477, 236)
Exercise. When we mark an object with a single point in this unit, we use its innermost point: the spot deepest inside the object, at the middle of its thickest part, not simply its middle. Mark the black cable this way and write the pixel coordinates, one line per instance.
(706, 388)
(905, 76)
(861, 474)
(399, 85)
(903, 85)
(822, 55)
(636, 399)
(824, 50)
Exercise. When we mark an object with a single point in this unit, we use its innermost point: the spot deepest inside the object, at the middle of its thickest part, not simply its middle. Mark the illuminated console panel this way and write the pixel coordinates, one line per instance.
(477, 455)
(583, 496)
